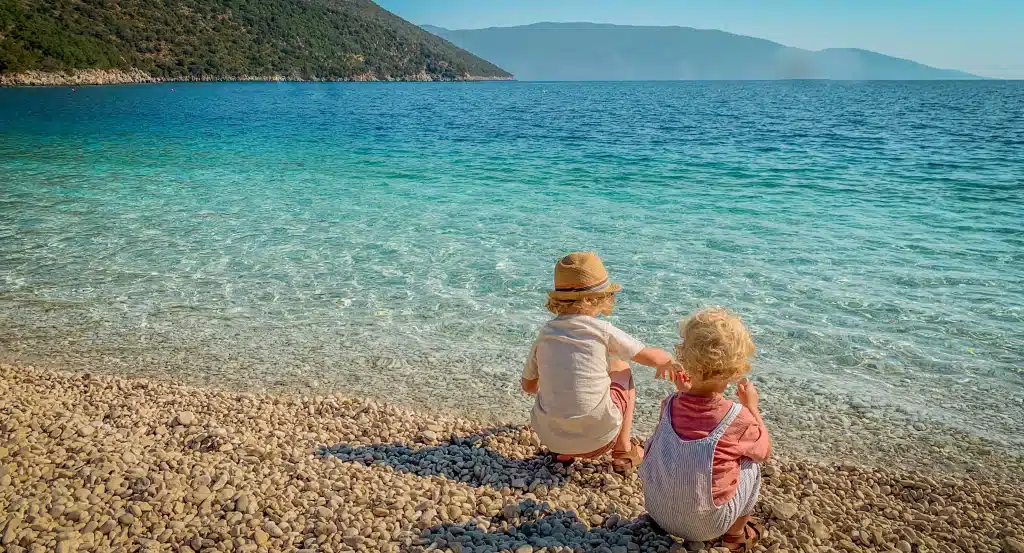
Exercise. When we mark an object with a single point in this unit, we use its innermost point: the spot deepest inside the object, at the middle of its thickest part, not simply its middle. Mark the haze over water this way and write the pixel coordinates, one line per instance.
(391, 237)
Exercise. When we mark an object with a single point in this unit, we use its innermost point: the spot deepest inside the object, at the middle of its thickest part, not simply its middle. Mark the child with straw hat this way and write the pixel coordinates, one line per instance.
(579, 372)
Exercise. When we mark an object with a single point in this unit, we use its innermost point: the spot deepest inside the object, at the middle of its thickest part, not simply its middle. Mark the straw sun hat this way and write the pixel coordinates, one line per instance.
(581, 275)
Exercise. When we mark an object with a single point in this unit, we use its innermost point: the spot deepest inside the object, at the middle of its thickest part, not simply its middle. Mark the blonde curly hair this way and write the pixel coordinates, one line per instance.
(593, 305)
(716, 345)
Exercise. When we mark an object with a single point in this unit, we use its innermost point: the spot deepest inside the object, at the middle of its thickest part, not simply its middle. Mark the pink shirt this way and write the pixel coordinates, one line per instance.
(694, 417)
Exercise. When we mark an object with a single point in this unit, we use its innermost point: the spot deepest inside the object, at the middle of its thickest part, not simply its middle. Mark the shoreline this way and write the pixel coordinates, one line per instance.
(107, 463)
(101, 77)
(808, 416)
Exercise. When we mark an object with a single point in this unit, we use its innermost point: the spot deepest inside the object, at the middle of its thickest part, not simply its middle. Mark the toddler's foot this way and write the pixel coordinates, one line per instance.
(628, 461)
(746, 539)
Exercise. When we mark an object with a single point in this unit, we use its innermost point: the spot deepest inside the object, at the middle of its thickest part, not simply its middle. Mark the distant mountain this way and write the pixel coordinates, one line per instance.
(589, 51)
(222, 39)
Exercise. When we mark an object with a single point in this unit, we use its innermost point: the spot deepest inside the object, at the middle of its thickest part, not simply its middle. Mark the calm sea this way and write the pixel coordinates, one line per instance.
(398, 239)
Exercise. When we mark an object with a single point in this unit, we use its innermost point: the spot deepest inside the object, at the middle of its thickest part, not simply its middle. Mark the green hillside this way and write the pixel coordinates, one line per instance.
(228, 39)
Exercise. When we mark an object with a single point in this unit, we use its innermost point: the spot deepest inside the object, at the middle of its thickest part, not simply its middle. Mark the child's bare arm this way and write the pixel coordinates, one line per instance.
(655, 357)
(652, 357)
(746, 392)
(530, 386)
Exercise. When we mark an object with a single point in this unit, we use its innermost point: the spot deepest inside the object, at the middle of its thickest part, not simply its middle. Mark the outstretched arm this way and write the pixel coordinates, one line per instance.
(624, 346)
(655, 357)
(652, 357)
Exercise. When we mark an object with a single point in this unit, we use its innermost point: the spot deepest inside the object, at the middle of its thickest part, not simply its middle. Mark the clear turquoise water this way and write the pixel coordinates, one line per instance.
(872, 234)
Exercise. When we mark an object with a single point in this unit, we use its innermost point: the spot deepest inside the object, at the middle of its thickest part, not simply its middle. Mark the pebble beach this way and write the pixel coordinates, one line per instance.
(94, 462)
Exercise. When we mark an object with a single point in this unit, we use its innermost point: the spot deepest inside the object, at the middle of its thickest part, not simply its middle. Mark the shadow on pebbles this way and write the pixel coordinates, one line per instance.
(101, 463)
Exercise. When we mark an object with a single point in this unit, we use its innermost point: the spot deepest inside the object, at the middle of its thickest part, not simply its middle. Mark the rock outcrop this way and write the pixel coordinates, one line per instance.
(83, 77)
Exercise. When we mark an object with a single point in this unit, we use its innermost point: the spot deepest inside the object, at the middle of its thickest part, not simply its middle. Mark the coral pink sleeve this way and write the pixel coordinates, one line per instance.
(755, 442)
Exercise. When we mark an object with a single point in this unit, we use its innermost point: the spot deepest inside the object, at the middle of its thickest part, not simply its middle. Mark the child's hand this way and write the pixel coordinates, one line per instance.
(666, 371)
(681, 380)
(673, 372)
(663, 371)
(747, 394)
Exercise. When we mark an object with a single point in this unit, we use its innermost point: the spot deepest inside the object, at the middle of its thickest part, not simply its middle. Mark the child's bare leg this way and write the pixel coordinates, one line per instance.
(622, 375)
(735, 533)
(738, 535)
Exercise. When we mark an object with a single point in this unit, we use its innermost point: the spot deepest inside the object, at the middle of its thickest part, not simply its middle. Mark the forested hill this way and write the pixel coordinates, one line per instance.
(228, 39)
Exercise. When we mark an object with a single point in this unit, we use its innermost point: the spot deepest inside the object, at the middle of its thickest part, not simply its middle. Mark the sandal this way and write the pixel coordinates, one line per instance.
(627, 461)
(752, 533)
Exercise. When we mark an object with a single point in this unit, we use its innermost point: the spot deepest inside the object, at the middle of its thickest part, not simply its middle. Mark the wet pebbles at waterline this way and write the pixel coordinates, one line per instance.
(103, 463)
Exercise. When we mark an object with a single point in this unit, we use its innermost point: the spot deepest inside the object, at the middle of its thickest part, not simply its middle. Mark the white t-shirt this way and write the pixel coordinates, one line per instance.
(574, 413)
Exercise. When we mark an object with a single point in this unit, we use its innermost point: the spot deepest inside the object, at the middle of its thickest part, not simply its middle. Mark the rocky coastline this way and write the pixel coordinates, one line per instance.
(107, 463)
(91, 77)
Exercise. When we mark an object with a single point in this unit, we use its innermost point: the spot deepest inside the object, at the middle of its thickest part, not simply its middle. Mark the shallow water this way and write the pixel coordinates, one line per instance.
(397, 238)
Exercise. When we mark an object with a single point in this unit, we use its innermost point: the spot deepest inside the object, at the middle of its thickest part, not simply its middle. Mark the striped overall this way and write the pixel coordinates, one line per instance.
(677, 482)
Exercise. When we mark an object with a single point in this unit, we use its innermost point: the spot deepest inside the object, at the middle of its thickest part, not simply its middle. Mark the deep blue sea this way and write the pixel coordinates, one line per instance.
(391, 237)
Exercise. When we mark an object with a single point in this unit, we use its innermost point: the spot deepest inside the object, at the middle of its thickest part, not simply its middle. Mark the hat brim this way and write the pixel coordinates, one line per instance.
(611, 289)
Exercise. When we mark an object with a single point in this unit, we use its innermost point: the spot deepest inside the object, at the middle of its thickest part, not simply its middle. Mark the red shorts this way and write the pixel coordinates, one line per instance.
(620, 399)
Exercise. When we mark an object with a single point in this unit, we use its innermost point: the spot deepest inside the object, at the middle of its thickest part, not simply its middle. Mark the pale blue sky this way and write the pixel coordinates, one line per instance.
(985, 37)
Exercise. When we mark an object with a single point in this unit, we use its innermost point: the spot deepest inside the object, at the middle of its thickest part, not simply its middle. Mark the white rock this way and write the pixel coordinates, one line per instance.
(272, 529)
(784, 510)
